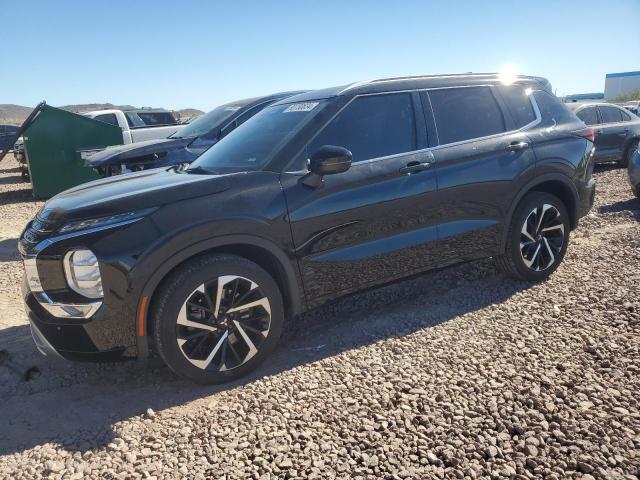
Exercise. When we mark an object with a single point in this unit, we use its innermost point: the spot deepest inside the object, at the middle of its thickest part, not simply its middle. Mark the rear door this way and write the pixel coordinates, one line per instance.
(374, 222)
(612, 132)
(481, 158)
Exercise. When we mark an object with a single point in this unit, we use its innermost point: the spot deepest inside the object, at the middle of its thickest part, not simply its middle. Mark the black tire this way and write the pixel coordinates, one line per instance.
(628, 153)
(512, 261)
(206, 272)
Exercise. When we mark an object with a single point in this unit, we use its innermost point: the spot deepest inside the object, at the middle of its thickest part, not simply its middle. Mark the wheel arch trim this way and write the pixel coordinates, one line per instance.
(291, 280)
(566, 182)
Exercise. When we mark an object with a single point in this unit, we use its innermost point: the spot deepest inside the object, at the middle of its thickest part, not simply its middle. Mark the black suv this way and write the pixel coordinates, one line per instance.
(317, 196)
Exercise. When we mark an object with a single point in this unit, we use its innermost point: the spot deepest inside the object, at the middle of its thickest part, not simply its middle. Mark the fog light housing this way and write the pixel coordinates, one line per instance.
(83, 273)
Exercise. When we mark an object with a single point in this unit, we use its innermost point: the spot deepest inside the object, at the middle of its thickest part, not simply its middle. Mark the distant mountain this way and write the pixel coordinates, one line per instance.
(13, 114)
(16, 114)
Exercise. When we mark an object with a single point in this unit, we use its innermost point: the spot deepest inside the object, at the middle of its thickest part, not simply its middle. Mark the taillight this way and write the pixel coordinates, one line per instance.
(588, 133)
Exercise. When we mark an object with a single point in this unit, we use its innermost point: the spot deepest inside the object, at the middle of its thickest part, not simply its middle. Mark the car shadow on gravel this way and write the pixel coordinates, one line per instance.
(606, 167)
(632, 206)
(76, 405)
(9, 250)
(23, 195)
(12, 180)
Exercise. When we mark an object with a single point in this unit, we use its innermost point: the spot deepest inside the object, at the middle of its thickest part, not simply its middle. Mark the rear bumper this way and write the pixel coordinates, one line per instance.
(587, 198)
(633, 170)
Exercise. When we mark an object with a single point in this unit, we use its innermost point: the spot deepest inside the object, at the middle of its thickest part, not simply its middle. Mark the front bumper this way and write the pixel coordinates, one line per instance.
(72, 339)
(67, 323)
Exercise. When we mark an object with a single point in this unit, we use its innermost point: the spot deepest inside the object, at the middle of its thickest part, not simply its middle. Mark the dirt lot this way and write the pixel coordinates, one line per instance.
(457, 374)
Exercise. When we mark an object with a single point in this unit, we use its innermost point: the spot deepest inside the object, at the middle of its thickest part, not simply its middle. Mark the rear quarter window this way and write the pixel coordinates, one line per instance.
(107, 118)
(519, 104)
(553, 111)
(157, 118)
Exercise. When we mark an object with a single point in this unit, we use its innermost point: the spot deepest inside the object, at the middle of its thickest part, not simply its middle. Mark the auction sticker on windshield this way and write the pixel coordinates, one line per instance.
(301, 107)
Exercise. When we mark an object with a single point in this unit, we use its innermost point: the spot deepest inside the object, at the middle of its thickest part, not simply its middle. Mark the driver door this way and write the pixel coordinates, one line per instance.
(374, 222)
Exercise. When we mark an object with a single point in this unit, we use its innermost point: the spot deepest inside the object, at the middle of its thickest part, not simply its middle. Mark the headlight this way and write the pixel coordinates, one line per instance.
(104, 221)
(83, 273)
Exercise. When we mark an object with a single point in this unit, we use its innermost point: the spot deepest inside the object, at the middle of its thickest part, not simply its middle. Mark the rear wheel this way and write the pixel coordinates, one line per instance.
(216, 318)
(537, 238)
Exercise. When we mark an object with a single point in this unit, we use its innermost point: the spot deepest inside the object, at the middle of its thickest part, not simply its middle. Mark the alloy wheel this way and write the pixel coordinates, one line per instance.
(542, 237)
(223, 323)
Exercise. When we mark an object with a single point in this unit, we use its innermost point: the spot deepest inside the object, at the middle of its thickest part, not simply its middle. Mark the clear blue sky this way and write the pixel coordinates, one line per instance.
(199, 54)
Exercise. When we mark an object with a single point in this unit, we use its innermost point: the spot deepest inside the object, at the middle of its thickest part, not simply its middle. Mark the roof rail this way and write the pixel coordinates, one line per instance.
(412, 77)
(355, 85)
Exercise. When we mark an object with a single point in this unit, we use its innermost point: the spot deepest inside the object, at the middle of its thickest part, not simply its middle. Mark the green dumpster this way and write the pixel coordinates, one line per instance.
(54, 142)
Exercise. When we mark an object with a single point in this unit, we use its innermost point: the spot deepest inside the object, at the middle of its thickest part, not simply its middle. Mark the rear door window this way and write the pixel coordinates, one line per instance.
(157, 118)
(519, 104)
(610, 114)
(588, 115)
(372, 126)
(465, 113)
(107, 118)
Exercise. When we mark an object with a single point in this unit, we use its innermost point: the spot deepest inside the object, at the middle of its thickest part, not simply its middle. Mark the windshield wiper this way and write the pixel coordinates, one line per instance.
(175, 136)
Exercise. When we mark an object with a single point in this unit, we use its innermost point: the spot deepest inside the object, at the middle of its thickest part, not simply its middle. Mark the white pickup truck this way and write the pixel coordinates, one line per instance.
(139, 124)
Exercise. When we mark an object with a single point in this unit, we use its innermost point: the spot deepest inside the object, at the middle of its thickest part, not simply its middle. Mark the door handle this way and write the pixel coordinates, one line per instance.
(415, 167)
(598, 132)
(517, 145)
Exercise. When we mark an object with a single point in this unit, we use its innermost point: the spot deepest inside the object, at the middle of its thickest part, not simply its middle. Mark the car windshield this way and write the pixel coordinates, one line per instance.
(209, 122)
(253, 145)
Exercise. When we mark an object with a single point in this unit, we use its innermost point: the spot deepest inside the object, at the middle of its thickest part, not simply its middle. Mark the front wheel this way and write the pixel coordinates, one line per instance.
(537, 238)
(216, 318)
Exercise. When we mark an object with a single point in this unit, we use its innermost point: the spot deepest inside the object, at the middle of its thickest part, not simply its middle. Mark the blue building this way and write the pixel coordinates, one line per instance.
(618, 83)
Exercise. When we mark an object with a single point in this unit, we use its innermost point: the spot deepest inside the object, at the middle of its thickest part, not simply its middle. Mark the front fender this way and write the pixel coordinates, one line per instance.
(175, 257)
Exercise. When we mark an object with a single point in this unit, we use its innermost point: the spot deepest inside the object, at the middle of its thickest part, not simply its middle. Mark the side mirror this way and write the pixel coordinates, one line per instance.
(327, 160)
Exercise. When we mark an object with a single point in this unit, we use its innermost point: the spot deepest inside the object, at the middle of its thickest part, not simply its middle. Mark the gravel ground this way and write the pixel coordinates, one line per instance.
(462, 373)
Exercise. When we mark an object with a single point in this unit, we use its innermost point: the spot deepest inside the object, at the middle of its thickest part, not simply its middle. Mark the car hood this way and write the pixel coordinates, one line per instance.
(130, 192)
(135, 150)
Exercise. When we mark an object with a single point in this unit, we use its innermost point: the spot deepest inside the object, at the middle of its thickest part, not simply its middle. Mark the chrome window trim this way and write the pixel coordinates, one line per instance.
(522, 129)
(495, 135)
(395, 155)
